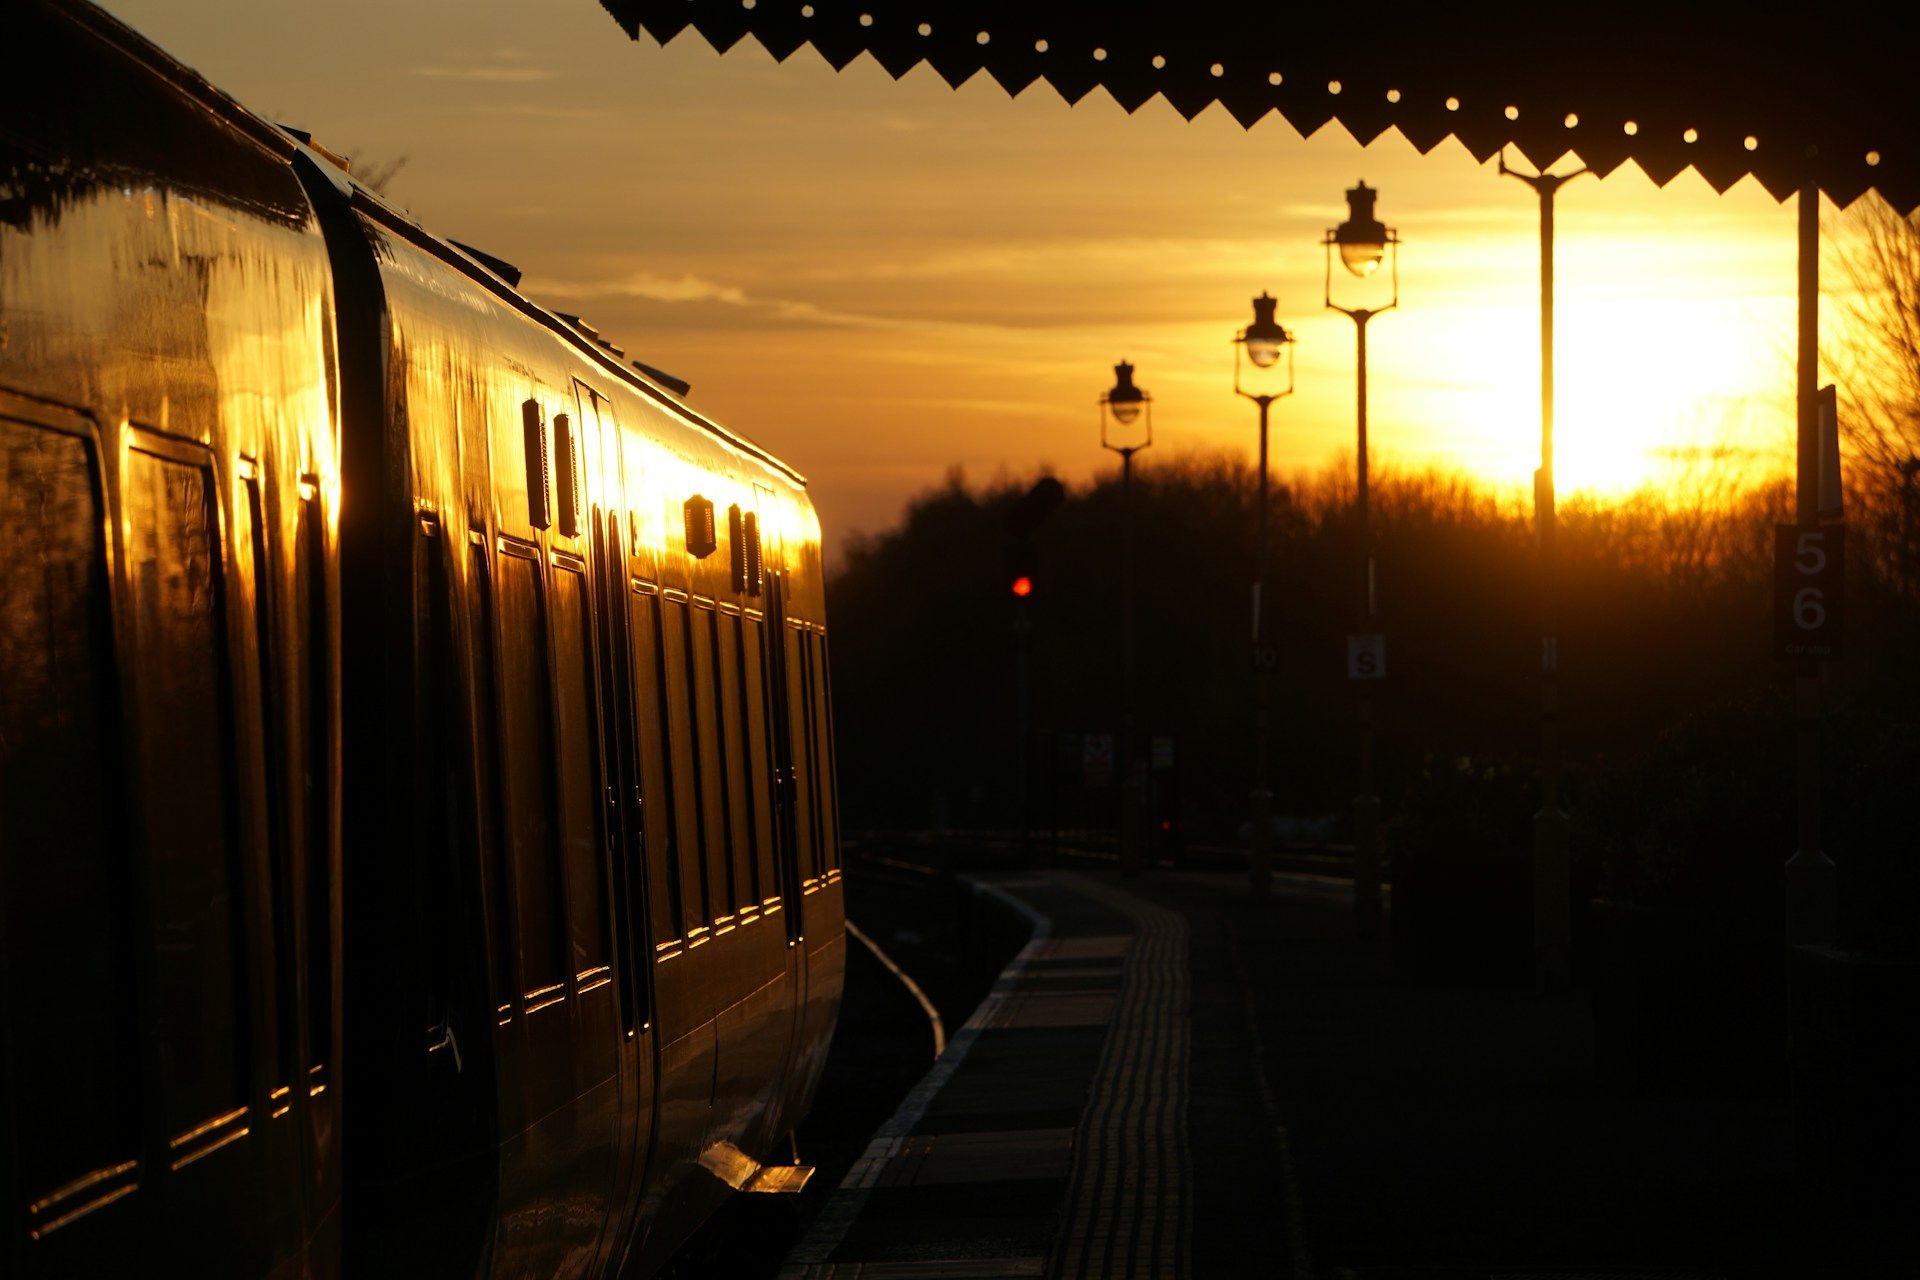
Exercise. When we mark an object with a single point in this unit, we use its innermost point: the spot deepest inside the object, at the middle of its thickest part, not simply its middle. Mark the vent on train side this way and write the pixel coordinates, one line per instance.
(701, 541)
(756, 575)
(737, 548)
(567, 488)
(539, 510)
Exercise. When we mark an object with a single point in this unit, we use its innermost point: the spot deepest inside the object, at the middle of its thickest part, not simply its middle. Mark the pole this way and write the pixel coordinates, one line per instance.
(1129, 773)
(1810, 880)
(1023, 719)
(1366, 805)
(1260, 802)
(1552, 875)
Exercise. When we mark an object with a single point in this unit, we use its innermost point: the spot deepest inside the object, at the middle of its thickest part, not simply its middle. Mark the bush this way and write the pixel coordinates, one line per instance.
(1460, 846)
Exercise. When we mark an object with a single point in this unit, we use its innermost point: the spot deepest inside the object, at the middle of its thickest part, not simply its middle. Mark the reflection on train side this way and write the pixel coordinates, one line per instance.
(417, 831)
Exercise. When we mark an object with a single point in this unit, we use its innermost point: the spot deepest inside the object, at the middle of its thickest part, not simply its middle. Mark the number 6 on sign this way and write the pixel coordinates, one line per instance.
(1809, 584)
(1809, 609)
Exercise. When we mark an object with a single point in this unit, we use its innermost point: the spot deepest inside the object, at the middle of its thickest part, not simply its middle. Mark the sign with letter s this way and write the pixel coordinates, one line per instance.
(1367, 656)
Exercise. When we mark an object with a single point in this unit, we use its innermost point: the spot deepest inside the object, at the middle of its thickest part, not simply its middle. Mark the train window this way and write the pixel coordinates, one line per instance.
(316, 678)
(621, 767)
(690, 821)
(526, 731)
(183, 747)
(726, 666)
(73, 1035)
(798, 741)
(438, 818)
(575, 735)
(713, 773)
(810, 725)
(249, 530)
(826, 770)
(656, 789)
(759, 765)
(486, 772)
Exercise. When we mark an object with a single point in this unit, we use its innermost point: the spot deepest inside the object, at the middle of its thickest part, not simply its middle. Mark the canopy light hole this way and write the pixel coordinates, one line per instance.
(1099, 55)
(1039, 46)
(1274, 77)
(1752, 143)
(926, 28)
(1217, 69)
(747, 4)
(982, 38)
(1630, 128)
(1159, 62)
(866, 19)
(1333, 86)
(1393, 95)
(1453, 104)
(1513, 113)
(1873, 158)
(806, 11)
(1572, 121)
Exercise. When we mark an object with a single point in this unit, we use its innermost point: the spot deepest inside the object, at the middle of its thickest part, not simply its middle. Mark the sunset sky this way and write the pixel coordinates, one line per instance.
(881, 280)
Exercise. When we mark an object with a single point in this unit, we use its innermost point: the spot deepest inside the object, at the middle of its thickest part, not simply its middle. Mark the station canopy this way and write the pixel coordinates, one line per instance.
(1809, 94)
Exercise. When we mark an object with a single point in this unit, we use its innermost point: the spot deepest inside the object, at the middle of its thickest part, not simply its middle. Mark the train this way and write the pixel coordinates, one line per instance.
(419, 851)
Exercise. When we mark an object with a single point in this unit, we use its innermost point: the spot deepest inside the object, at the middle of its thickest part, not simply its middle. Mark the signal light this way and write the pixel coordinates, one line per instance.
(1023, 586)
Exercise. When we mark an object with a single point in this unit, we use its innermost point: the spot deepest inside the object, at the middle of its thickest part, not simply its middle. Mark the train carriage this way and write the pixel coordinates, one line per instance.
(416, 796)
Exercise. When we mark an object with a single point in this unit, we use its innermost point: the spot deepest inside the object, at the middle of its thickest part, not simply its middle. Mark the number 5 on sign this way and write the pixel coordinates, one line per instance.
(1809, 581)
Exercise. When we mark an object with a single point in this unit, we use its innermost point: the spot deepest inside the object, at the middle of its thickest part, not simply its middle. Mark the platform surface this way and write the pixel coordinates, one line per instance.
(1172, 1079)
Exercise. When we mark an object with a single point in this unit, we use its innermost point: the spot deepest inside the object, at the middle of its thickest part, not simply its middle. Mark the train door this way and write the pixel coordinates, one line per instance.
(623, 853)
(138, 1067)
(788, 860)
(559, 1021)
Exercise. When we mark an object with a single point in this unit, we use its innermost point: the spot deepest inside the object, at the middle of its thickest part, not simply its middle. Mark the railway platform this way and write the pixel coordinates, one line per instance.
(1171, 1079)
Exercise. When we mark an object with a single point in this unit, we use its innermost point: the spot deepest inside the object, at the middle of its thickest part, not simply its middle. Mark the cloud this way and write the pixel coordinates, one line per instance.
(694, 290)
(534, 110)
(495, 75)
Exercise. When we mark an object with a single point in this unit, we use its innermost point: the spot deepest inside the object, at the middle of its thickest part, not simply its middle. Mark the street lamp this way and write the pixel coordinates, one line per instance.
(1364, 242)
(1552, 886)
(1126, 427)
(1264, 342)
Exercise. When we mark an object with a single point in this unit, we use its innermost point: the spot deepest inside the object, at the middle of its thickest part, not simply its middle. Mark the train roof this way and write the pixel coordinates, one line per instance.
(491, 273)
(501, 278)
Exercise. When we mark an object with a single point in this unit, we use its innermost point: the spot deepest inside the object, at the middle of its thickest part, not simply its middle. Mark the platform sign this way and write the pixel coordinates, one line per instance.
(1096, 760)
(1809, 576)
(1367, 656)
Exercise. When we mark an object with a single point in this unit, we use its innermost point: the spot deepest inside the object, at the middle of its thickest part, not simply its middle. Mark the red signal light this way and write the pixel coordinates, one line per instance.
(1023, 586)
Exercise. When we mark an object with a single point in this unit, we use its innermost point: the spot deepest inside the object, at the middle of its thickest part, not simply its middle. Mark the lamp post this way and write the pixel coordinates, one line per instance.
(1364, 242)
(1263, 342)
(1552, 887)
(1126, 427)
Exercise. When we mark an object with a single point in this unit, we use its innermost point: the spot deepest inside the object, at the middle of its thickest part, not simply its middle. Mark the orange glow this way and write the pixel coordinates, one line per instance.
(933, 289)
(1023, 586)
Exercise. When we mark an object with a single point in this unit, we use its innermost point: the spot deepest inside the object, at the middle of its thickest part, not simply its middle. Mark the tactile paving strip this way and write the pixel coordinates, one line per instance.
(1126, 1211)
